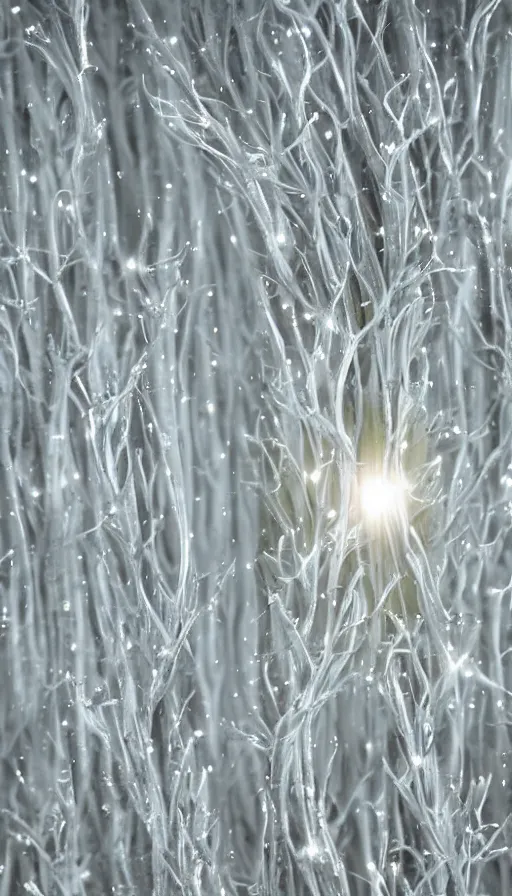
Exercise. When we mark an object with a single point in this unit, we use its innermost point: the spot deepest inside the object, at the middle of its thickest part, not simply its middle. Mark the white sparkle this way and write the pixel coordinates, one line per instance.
(381, 496)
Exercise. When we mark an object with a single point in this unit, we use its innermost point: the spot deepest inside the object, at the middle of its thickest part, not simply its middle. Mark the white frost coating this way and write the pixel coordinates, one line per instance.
(255, 448)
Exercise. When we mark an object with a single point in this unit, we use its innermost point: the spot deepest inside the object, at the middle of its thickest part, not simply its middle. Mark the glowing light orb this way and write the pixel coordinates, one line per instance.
(315, 476)
(382, 497)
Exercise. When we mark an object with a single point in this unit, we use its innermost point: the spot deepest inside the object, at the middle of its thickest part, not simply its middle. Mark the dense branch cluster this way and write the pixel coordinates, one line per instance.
(255, 448)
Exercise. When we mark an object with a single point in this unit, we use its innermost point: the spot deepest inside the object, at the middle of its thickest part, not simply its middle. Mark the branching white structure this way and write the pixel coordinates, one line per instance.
(255, 448)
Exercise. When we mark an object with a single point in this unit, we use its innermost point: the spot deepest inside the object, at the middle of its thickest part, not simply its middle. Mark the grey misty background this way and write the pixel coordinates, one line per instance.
(222, 224)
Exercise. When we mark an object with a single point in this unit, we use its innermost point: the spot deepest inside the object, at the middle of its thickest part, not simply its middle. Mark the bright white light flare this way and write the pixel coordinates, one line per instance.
(382, 497)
